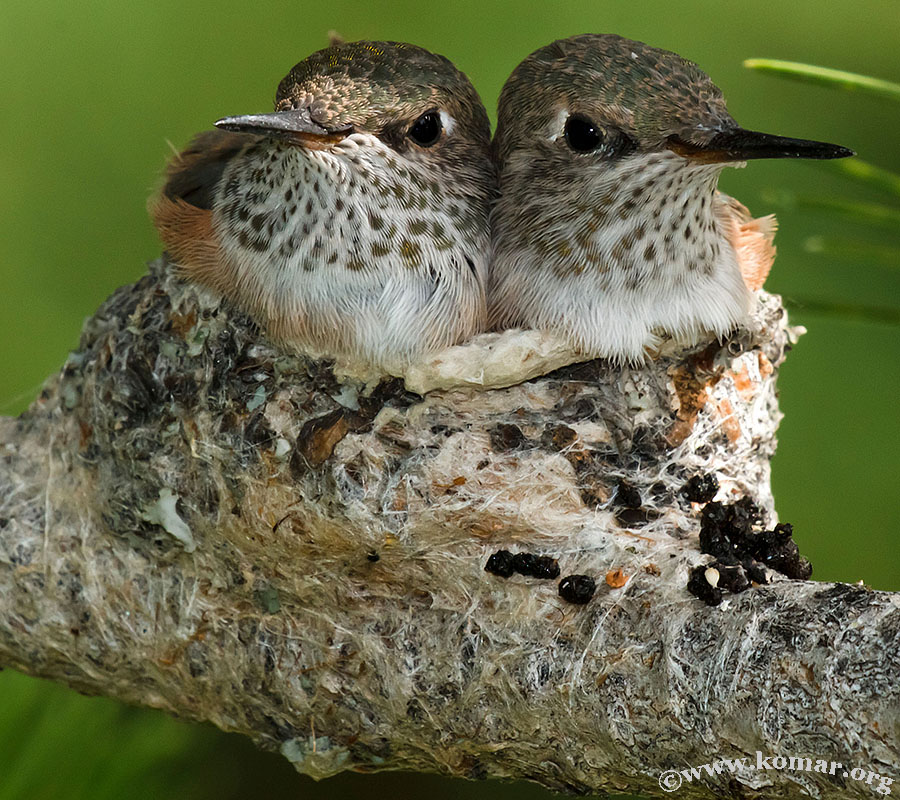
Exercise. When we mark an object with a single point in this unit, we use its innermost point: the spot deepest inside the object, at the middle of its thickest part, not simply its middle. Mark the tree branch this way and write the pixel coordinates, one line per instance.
(194, 520)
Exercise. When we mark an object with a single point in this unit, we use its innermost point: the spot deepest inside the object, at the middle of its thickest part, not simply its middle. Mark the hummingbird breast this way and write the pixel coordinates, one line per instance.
(350, 250)
(617, 256)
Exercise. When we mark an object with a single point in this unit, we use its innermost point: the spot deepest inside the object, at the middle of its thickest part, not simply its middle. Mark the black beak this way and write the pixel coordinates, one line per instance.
(295, 126)
(738, 144)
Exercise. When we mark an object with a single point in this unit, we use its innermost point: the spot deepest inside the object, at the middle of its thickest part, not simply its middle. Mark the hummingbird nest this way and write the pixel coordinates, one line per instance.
(578, 578)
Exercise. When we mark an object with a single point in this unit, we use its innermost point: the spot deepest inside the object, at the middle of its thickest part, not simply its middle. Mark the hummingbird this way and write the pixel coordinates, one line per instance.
(609, 229)
(353, 220)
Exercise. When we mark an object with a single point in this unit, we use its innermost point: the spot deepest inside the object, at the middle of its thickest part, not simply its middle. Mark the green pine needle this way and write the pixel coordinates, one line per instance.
(849, 81)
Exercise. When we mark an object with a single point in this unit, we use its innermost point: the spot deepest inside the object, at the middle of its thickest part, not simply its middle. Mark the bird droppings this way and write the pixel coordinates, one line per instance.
(701, 488)
(742, 550)
(778, 550)
(578, 589)
(524, 563)
(500, 563)
(732, 578)
(504, 563)
(543, 567)
(700, 586)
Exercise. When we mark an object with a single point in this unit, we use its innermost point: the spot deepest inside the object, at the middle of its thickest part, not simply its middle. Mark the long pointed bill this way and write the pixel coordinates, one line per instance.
(740, 145)
(295, 126)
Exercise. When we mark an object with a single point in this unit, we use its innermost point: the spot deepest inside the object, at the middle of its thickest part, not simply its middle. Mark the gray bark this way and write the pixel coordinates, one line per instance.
(194, 520)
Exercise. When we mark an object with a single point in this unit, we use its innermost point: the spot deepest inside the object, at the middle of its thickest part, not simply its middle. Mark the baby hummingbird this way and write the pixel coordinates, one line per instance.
(609, 229)
(352, 221)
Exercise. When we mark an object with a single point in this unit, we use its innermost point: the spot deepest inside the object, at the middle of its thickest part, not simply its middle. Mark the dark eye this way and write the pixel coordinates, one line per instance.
(426, 130)
(582, 134)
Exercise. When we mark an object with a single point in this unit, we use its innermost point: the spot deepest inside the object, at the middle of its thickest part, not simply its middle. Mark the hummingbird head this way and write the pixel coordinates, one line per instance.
(611, 98)
(415, 104)
(608, 225)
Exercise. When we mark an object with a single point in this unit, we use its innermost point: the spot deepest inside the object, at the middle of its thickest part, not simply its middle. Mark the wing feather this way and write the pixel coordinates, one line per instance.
(182, 210)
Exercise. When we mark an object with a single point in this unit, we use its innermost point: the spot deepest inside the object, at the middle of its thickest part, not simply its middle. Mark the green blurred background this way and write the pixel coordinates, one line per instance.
(92, 92)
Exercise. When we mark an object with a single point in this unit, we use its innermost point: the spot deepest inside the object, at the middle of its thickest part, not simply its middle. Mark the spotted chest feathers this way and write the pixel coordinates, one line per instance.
(352, 250)
(619, 257)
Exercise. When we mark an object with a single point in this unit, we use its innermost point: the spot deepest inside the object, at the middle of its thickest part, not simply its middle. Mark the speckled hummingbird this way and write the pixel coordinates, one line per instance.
(609, 229)
(352, 221)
